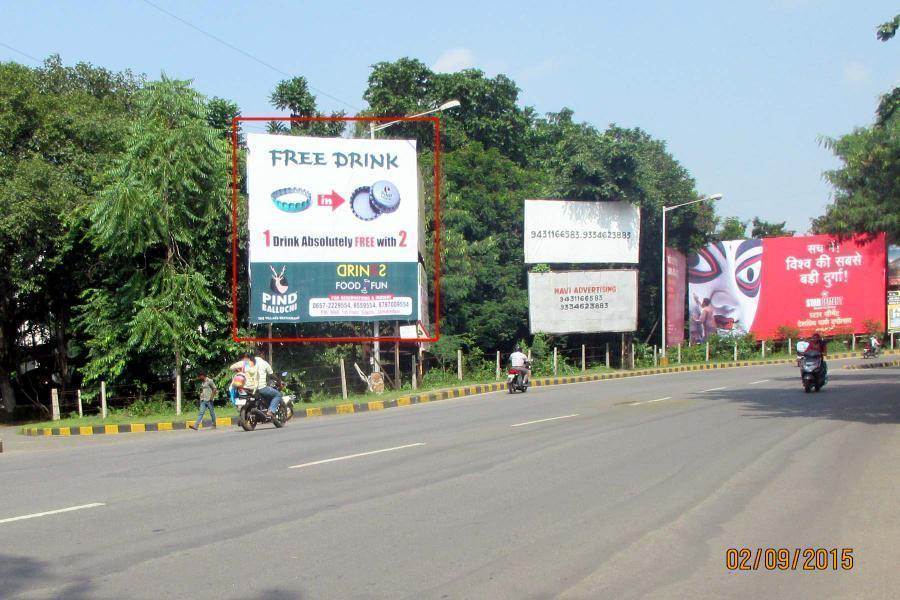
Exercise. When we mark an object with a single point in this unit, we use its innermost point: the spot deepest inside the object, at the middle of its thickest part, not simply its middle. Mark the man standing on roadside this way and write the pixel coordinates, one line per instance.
(208, 392)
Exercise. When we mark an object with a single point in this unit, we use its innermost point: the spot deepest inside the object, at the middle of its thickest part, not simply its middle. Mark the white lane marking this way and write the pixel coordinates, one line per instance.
(714, 389)
(649, 401)
(760, 381)
(543, 420)
(52, 512)
(349, 456)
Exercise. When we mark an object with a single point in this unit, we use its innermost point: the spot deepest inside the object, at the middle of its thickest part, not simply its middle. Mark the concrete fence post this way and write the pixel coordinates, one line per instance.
(655, 355)
(78, 395)
(735, 352)
(679, 353)
(459, 365)
(607, 355)
(583, 359)
(790, 345)
(707, 351)
(498, 365)
(632, 355)
(398, 380)
(764, 349)
(554, 361)
(178, 393)
(103, 399)
(343, 380)
(853, 342)
(413, 378)
(54, 403)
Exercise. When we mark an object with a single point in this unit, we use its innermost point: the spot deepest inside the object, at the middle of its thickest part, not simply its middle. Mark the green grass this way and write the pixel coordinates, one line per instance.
(434, 381)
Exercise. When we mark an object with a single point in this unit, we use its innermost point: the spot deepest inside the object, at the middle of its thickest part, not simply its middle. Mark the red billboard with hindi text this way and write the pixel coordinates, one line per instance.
(765, 287)
(676, 289)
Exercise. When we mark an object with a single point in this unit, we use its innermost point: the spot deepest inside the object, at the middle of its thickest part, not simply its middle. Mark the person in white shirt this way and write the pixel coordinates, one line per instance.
(519, 360)
(874, 344)
(256, 371)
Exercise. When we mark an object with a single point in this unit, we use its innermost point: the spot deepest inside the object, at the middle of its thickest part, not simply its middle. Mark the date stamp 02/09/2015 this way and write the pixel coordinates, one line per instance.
(789, 559)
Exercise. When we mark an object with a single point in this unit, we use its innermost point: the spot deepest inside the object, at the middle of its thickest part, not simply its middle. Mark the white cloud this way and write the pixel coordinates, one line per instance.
(540, 69)
(855, 72)
(454, 59)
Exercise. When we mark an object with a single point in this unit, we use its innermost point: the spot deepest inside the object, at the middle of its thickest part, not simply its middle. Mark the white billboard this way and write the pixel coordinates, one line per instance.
(577, 231)
(332, 199)
(583, 301)
(334, 228)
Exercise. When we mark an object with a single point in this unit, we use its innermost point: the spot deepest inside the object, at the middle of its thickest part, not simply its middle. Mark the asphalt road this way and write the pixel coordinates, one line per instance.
(616, 489)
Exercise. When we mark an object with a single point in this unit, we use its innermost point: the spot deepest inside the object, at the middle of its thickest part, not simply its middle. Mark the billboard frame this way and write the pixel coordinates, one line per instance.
(637, 303)
(433, 337)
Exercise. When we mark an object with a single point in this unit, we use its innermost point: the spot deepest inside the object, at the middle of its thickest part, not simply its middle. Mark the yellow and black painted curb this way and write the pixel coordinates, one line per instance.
(458, 392)
(875, 365)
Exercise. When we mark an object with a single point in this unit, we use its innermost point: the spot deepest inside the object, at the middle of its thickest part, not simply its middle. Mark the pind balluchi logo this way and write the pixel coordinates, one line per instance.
(279, 300)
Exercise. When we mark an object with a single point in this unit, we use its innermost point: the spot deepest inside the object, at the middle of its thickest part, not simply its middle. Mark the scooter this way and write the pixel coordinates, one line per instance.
(870, 352)
(515, 379)
(812, 372)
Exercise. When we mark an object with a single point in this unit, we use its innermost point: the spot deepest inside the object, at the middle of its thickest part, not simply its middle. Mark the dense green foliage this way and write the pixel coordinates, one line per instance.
(867, 185)
(61, 128)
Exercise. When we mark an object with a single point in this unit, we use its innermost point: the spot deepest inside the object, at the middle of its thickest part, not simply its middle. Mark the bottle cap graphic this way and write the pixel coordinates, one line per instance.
(385, 197)
(361, 205)
(291, 199)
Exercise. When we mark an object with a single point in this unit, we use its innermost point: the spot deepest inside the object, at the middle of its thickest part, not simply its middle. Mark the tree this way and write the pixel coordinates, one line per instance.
(867, 185)
(164, 201)
(59, 129)
(488, 113)
(761, 229)
(887, 30)
(731, 228)
(294, 95)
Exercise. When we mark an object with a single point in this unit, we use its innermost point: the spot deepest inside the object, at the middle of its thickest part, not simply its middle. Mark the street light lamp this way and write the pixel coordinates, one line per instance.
(666, 210)
(376, 346)
(445, 106)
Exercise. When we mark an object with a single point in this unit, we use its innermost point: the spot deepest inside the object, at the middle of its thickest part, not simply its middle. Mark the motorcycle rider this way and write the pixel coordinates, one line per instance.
(818, 344)
(256, 371)
(874, 344)
(519, 360)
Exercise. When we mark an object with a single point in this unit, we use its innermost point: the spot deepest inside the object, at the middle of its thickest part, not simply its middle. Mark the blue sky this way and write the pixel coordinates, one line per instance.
(739, 91)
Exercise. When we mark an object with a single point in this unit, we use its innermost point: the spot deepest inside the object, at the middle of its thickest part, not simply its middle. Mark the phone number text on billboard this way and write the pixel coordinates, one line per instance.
(580, 234)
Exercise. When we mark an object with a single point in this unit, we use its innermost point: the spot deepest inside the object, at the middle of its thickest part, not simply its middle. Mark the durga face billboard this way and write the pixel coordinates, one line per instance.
(812, 283)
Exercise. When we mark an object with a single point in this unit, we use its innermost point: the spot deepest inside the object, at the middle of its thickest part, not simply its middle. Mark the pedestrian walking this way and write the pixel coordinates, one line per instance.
(208, 392)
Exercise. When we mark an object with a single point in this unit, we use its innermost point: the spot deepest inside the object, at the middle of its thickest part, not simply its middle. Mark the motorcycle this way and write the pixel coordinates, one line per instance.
(870, 352)
(812, 371)
(252, 410)
(515, 379)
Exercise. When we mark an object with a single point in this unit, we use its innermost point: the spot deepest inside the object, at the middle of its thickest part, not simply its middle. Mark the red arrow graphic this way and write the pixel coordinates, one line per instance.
(333, 200)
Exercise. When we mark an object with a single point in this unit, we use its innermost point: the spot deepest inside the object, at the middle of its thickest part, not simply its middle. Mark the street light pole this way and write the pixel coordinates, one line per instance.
(376, 345)
(666, 210)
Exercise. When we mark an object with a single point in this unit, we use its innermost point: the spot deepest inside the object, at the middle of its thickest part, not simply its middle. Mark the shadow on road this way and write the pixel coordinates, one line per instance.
(20, 575)
(872, 398)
